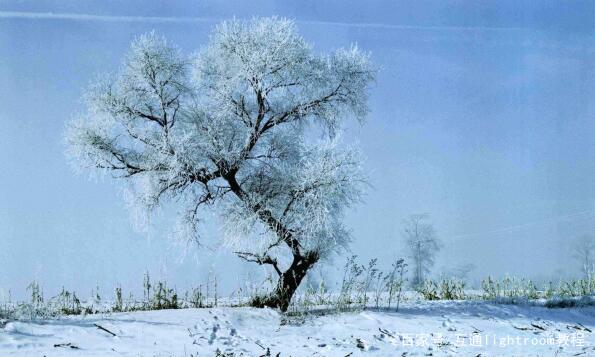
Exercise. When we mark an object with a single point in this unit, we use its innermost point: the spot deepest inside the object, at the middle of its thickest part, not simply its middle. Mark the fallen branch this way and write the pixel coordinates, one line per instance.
(476, 329)
(537, 326)
(385, 331)
(104, 329)
(579, 327)
(67, 345)
(584, 327)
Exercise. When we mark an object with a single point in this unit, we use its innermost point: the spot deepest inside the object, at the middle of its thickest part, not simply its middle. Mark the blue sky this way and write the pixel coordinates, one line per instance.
(482, 116)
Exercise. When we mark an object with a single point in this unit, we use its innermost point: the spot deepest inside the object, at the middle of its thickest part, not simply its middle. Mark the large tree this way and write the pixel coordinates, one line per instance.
(234, 127)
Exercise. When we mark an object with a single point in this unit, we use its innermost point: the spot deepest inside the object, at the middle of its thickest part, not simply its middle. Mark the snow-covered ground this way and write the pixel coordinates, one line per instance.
(464, 328)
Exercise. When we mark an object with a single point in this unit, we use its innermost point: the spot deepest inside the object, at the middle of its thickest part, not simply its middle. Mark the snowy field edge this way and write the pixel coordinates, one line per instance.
(432, 328)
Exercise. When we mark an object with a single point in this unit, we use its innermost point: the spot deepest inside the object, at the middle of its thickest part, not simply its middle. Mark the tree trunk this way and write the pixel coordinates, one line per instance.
(302, 262)
(290, 280)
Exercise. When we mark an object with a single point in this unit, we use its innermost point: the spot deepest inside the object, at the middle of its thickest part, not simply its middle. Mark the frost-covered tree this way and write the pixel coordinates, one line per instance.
(583, 249)
(423, 245)
(230, 128)
(459, 271)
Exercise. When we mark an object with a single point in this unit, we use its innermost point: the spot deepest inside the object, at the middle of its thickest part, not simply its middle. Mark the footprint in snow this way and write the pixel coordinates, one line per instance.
(213, 334)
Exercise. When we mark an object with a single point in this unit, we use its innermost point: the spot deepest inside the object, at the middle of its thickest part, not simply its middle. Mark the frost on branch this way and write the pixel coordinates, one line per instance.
(227, 128)
(307, 192)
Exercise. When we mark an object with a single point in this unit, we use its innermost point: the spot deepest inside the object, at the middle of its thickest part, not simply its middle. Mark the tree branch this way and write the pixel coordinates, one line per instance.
(260, 259)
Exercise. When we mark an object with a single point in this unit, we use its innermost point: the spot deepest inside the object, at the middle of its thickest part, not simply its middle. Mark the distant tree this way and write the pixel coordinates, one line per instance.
(228, 127)
(583, 249)
(423, 246)
(461, 271)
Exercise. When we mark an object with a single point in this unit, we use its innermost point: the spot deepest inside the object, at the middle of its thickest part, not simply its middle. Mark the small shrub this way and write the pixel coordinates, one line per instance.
(429, 290)
(370, 273)
(196, 298)
(259, 301)
(491, 288)
(67, 303)
(445, 289)
(452, 289)
(351, 273)
(163, 297)
(394, 281)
